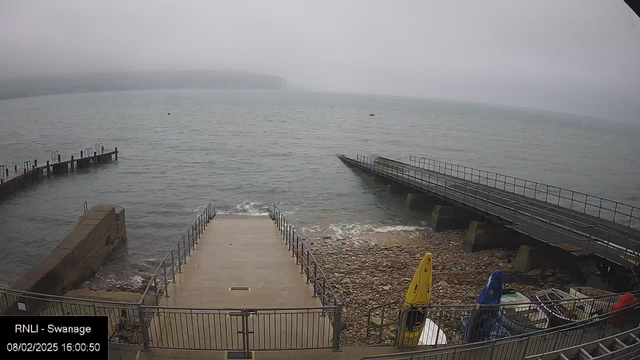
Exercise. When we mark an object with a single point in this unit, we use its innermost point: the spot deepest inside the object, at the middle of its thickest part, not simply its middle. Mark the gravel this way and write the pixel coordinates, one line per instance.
(374, 272)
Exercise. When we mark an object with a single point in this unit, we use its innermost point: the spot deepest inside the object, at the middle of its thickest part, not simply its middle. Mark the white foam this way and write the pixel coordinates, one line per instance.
(247, 208)
(385, 229)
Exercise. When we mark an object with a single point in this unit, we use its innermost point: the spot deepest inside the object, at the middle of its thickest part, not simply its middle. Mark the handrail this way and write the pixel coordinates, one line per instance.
(505, 341)
(591, 306)
(445, 187)
(454, 170)
(298, 247)
(40, 296)
(179, 257)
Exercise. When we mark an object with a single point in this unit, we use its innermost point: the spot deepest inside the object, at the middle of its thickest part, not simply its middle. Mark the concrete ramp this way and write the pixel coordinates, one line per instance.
(239, 252)
(240, 290)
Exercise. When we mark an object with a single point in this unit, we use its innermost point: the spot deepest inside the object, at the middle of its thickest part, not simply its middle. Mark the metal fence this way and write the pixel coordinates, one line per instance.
(177, 256)
(523, 345)
(124, 318)
(455, 323)
(520, 217)
(243, 330)
(304, 257)
(611, 210)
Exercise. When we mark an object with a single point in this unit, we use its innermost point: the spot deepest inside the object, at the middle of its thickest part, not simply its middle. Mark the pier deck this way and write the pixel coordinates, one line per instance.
(580, 233)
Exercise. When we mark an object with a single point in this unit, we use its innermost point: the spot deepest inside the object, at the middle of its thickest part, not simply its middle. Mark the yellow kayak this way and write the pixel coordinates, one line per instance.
(417, 298)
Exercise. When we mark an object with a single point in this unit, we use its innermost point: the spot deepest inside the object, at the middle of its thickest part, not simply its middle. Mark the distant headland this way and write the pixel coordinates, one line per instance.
(18, 87)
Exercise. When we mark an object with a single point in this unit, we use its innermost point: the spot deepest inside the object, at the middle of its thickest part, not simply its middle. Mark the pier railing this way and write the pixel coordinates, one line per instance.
(383, 320)
(313, 272)
(518, 215)
(123, 318)
(172, 262)
(537, 342)
(304, 257)
(606, 209)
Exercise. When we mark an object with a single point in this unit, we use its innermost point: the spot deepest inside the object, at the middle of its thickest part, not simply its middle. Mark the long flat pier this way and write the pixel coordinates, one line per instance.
(241, 290)
(16, 178)
(579, 232)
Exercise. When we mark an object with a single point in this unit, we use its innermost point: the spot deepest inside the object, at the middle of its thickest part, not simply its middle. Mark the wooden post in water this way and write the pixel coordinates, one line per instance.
(48, 170)
(72, 165)
(16, 167)
(95, 157)
(116, 153)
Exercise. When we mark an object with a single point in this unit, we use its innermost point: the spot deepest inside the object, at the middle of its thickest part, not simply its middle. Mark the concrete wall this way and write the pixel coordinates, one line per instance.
(80, 254)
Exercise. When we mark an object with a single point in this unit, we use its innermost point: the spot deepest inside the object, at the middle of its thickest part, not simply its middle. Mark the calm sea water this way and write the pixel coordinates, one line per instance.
(244, 150)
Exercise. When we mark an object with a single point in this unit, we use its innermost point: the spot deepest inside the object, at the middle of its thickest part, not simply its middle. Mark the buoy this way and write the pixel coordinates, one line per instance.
(168, 113)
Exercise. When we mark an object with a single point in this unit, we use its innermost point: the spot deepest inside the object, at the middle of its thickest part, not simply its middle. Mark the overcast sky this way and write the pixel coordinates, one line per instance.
(576, 56)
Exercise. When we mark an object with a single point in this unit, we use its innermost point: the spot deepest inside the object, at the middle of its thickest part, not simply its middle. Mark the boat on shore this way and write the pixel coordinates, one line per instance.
(562, 307)
(596, 301)
(520, 316)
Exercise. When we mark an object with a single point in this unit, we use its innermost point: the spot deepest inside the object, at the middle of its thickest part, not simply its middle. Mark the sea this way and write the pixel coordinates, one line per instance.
(244, 151)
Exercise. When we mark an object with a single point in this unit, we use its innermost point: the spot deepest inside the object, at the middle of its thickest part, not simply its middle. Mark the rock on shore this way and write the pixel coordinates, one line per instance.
(370, 273)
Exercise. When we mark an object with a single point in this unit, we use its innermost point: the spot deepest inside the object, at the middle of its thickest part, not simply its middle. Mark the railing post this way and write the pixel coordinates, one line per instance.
(173, 268)
(315, 279)
(337, 327)
(166, 287)
(308, 270)
(302, 260)
(180, 256)
(144, 330)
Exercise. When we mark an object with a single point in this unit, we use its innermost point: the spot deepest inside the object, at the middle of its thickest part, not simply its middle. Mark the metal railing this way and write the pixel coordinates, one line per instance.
(241, 329)
(123, 318)
(313, 272)
(177, 256)
(537, 342)
(304, 257)
(518, 216)
(615, 211)
(382, 320)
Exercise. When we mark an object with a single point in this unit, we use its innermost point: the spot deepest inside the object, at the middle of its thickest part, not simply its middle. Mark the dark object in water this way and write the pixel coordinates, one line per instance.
(168, 113)
(372, 114)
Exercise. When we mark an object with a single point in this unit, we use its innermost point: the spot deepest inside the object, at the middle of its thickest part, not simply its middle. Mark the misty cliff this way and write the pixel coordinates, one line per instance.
(50, 85)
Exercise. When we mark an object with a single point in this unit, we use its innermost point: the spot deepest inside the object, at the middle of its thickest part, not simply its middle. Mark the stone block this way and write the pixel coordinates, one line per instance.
(420, 202)
(449, 218)
(79, 254)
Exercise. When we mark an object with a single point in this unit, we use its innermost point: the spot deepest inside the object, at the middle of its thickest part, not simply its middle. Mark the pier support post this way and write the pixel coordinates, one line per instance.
(72, 164)
(48, 168)
(420, 202)
(116, 153)
(449, 218)
(482, 236)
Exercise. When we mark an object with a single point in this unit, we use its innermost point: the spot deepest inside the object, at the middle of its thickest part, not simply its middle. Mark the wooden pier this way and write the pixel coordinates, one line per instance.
(12, 180)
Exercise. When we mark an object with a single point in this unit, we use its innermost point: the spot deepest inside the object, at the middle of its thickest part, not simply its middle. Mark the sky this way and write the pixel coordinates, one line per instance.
(574, 56)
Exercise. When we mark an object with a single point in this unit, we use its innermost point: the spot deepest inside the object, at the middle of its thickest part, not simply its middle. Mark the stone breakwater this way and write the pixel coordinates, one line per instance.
(378, 271)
